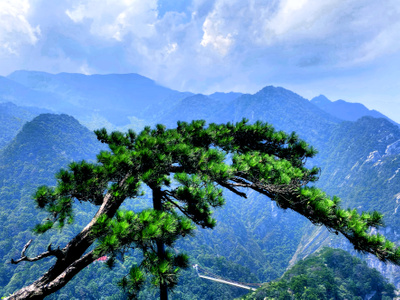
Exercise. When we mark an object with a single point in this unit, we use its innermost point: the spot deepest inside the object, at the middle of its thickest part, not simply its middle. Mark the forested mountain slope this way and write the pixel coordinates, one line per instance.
(44, 144)
(360, 164)
(40, 149)
(52, 141)
(329, 274)
(12, 118)
(254, 240)
(234, 249)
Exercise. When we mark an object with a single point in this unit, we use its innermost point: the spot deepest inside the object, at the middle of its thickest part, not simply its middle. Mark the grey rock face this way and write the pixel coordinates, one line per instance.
(373, 157)
(393, 149)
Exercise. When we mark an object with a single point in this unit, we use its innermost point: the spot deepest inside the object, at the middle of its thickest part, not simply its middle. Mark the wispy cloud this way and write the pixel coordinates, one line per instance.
(116, 19)
(204, 45)
(15, 30)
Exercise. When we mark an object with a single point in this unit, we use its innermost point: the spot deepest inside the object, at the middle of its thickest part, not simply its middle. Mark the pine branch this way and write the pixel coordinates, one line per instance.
(166, 194)
(269, 189)
(50, 252)
(230, 187)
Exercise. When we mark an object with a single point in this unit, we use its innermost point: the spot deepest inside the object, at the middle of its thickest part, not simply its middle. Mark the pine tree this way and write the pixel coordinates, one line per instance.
(187, 168)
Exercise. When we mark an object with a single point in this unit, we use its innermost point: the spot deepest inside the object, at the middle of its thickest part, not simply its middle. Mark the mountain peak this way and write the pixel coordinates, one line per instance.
(56, 136)
(225, 96)
(320, 100)
(270, 89)
(43, 146)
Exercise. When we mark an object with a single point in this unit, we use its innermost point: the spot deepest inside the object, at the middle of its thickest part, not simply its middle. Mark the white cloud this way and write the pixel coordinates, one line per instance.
(301, 17)
(15, 30)
(212, 37)
(77, 14)
(171, 48)
(260, 42)
(204, 45)
(85, 69)
(384, 38)
(115, 19)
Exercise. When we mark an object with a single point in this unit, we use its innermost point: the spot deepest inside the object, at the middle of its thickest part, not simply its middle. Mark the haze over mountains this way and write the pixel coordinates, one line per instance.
(359, 156)
(121, 98)
(114, 97)
(345, 110)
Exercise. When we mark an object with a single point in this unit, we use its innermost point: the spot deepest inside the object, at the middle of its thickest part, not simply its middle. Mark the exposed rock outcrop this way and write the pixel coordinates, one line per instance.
(393, 149)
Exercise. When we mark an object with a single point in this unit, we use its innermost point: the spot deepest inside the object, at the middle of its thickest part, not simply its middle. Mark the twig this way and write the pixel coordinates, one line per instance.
(50, 252)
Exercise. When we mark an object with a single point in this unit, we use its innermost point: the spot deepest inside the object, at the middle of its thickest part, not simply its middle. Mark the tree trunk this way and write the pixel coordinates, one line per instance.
(50, 283)
(157, 205)
(72, 261)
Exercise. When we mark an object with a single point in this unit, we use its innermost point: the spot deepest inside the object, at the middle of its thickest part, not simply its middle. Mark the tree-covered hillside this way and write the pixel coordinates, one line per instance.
(329, 274)
(41, 148)
(360, 164)
(349, 223)
(253, 251)
(12, 118)
(51, 141)
(254, 238)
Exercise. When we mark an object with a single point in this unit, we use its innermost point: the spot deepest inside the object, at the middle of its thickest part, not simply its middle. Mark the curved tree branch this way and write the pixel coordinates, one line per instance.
(230, 187)
(38, 291)
(50, 252)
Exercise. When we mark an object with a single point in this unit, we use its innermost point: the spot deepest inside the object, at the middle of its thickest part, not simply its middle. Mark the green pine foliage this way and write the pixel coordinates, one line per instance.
(187, 167)
(251, 232)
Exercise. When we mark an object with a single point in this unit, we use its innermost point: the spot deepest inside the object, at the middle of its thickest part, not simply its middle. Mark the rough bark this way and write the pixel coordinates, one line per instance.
(72, 259)
(157, 205)
(50, 283)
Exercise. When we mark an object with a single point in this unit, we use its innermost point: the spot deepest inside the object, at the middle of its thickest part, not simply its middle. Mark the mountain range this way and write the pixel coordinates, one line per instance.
(359, 155)
(345, 110)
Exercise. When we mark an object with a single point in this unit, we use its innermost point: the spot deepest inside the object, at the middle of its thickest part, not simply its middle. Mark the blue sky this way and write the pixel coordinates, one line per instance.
(344, 49)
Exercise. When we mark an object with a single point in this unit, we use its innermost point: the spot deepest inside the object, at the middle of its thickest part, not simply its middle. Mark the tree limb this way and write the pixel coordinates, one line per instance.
(39, 291)
(50, 252)
(166, 196)
(230, 187)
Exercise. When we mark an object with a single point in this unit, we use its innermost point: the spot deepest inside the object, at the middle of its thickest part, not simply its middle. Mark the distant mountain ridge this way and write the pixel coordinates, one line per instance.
(252, 233)
(12, 91)
(115, 97)
(129, 99)
(346, 110)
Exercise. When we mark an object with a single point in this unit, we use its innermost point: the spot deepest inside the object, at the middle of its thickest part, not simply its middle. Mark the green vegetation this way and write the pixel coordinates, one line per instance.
(12, 118)
(186, 169)
(329, 274)
(360, 181)
(42, 147)
(254, 239)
